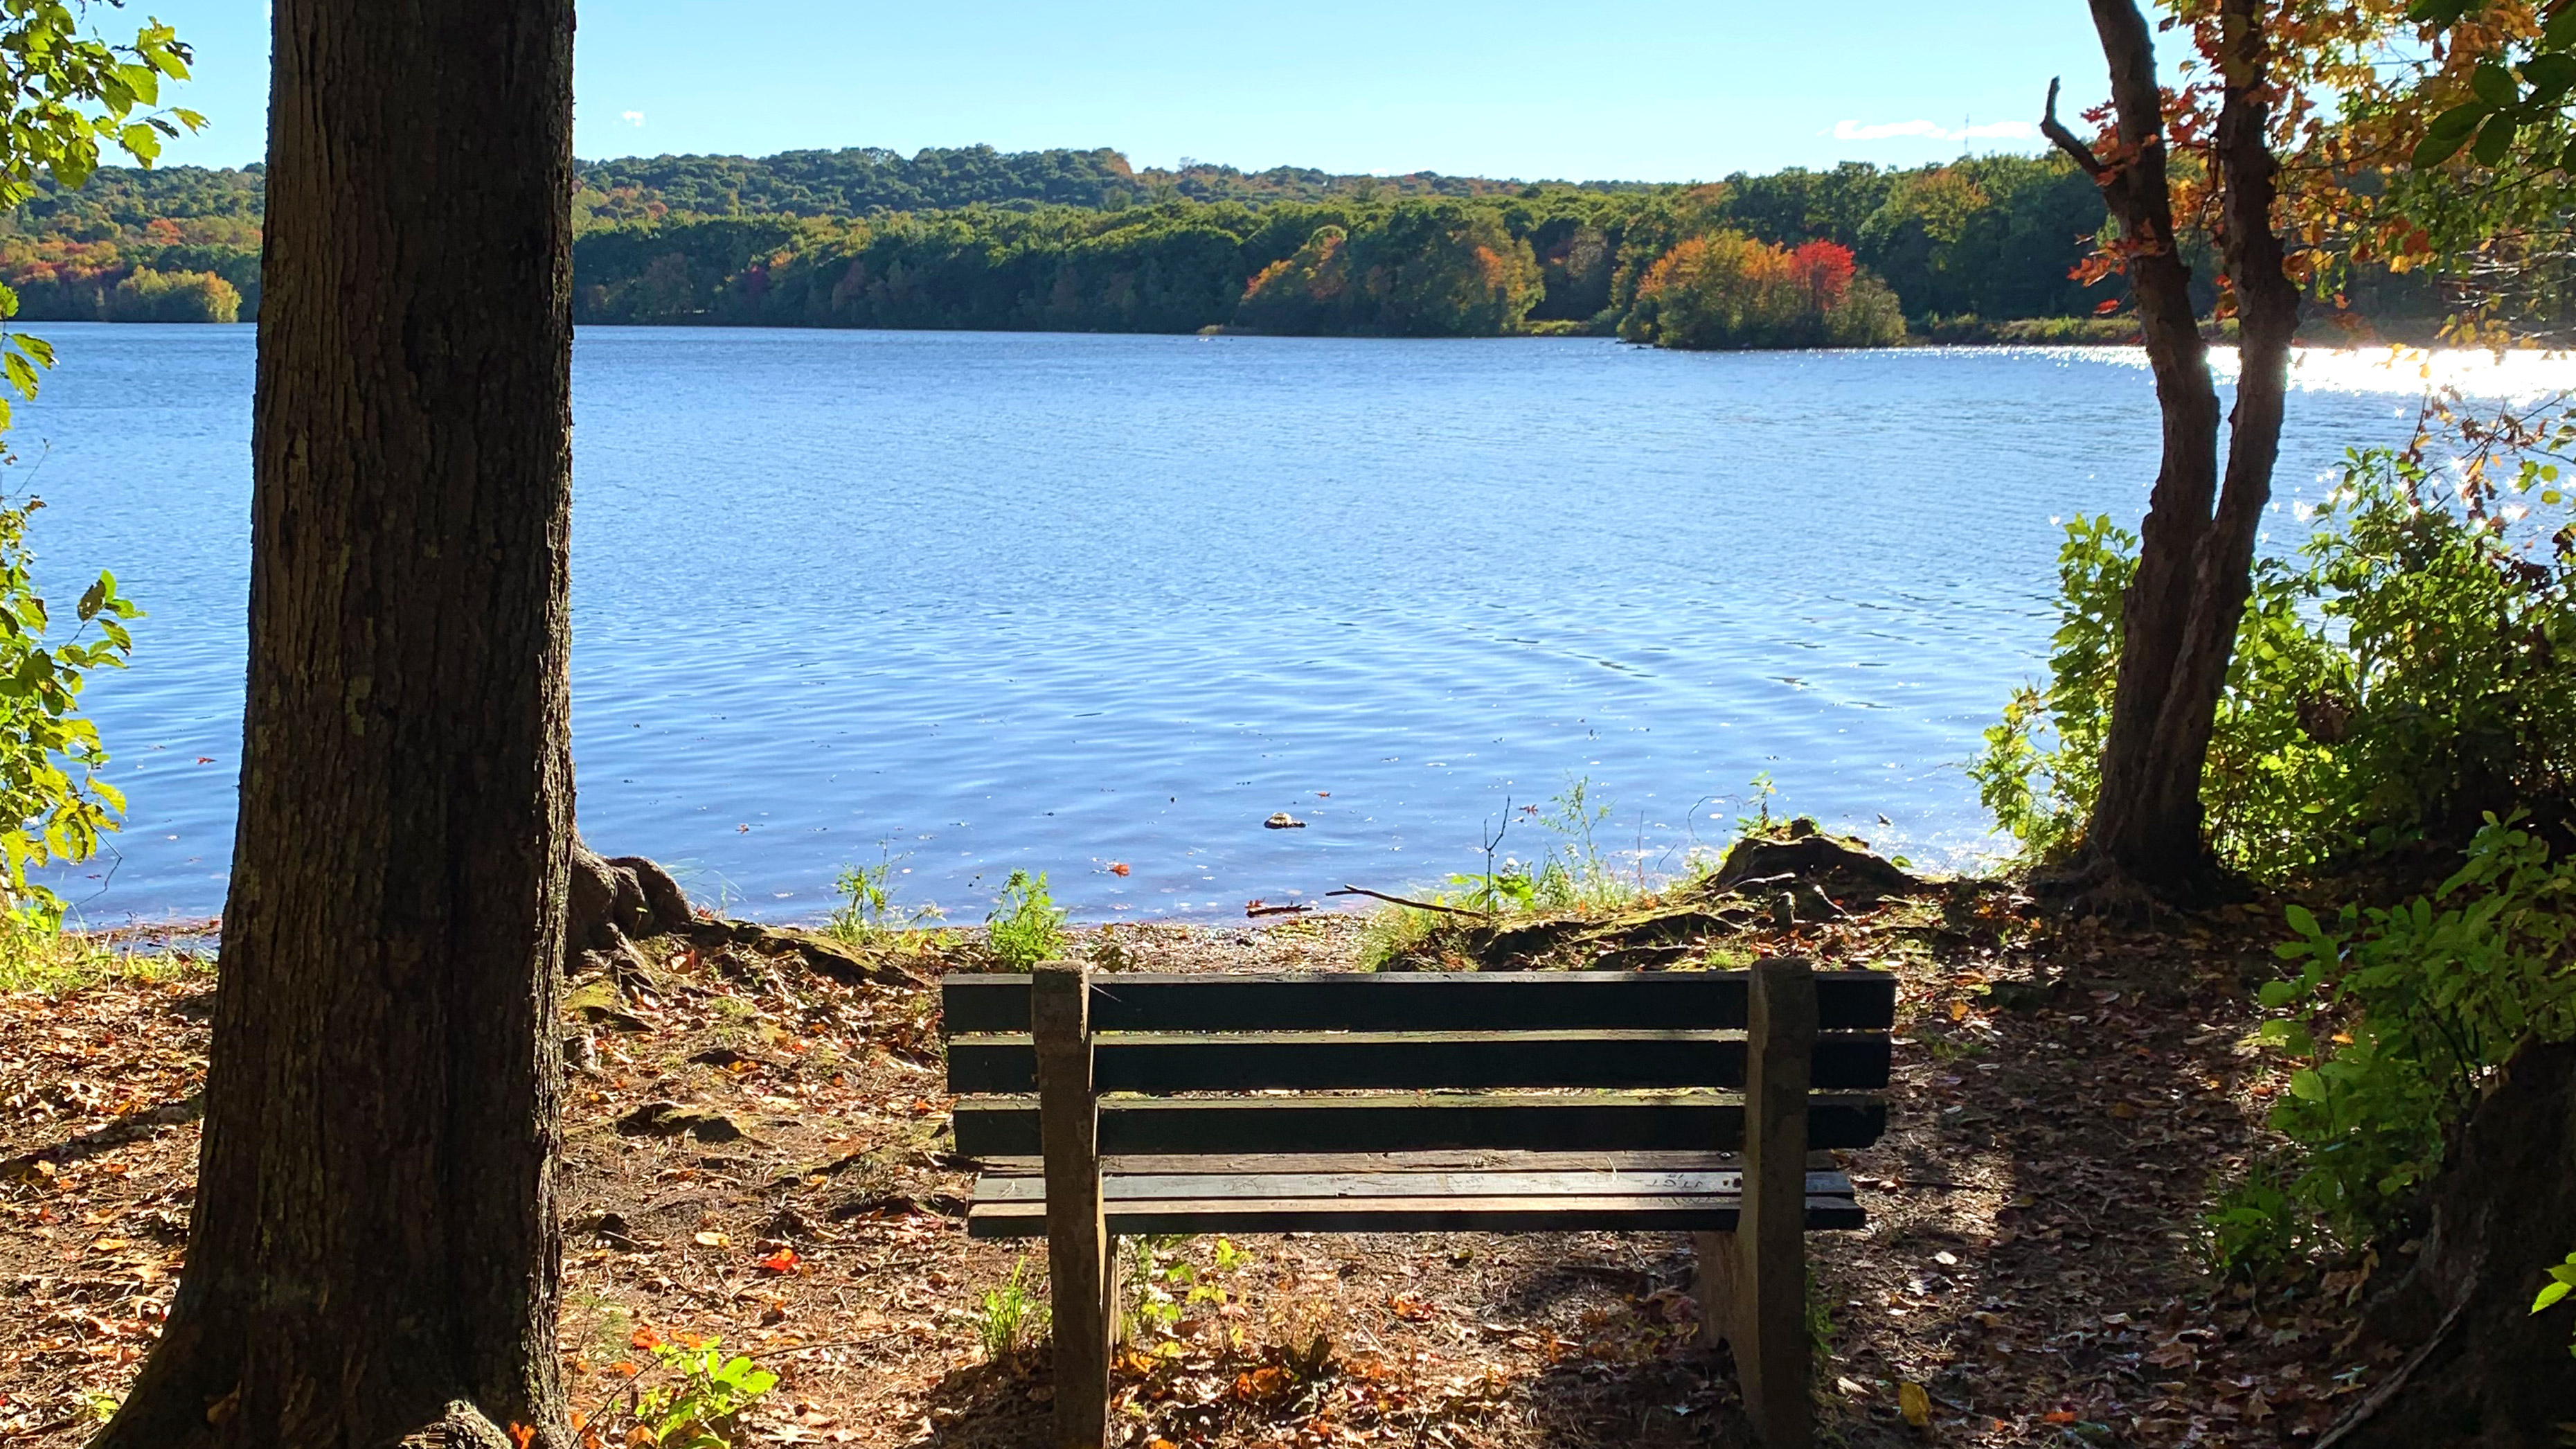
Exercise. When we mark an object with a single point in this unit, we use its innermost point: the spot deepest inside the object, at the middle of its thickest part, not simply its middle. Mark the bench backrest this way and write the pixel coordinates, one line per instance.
(1533, 1061)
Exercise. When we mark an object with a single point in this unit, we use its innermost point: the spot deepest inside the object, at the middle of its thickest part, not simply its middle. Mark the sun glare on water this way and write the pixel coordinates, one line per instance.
(2522, 374)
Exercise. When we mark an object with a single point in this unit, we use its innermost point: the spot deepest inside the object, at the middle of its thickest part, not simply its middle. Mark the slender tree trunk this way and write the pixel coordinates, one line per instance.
(2179, 618)
(374, 1234)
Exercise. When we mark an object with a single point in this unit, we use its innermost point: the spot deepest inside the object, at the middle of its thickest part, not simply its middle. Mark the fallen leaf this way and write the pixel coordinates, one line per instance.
(1118, 867)
(782, 1261)
(714, 1240)
(1914, 1404)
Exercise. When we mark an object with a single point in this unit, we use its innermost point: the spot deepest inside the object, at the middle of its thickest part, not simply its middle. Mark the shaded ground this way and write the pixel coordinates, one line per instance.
(757, 1152)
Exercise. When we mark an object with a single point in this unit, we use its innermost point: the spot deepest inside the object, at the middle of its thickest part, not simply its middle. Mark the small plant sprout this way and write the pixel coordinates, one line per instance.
(867, 912)
(700, 1402)
(1012, 1317)
(1026, 925)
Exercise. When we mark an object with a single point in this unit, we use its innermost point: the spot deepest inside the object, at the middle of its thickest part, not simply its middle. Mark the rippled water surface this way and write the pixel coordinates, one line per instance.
(980, 601)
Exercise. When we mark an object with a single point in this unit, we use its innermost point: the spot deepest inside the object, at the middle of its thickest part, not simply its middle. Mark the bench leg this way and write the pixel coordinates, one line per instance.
(1713, 1284)
(1765, 1277)
(1079, 1264)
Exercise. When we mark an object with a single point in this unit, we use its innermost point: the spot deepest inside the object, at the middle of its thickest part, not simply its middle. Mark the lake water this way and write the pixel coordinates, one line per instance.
(985, 601)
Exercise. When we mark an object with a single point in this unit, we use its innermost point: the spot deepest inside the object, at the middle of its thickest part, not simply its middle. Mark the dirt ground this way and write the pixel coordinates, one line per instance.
(759, 1153)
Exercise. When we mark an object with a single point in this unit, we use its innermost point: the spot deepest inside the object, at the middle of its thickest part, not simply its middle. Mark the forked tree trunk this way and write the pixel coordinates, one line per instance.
(374, 1233)
(2178, 621)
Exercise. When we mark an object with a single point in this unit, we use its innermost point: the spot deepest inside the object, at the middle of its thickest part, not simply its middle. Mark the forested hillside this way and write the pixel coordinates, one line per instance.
(1080, 240)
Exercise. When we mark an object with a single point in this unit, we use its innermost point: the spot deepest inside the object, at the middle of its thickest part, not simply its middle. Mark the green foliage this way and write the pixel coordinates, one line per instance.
(51, 796)
(1724, 289)
(1569, 872)
(867, 913)
(1169, 1286)
(700, 1405)
(2407, 675)
(2258, 1228)
(2562, 1278)
(1026, 926)
(1012, 1316)
(69, 93)
(2399, 1016)
(146, 295)
(2042, 764)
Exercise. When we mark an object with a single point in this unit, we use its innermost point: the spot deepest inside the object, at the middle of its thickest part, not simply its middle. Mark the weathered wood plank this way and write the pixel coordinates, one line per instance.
(1470, 1160)
(1078, 1257)
(1415, 1001)
(1413, 1061)
(990, 1127)
(1708, 1213)
(1769, 1278)
(1117, 1188)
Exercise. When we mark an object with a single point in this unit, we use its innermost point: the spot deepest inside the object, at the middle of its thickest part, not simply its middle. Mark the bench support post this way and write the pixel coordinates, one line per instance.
(1753, 1282)
(1078, 1244)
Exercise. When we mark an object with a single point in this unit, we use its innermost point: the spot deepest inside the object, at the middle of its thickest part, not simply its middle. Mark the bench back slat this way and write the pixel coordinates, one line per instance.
(1590, 1122)
(1410, 1061)
(1416, 1001)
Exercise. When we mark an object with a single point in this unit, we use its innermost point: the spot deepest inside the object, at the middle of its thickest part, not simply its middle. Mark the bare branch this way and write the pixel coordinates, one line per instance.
(2050, 127)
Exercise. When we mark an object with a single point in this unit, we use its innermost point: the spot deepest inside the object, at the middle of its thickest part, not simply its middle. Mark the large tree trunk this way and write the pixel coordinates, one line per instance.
(2179, 618)
(374, 1235)
(2478, 1367)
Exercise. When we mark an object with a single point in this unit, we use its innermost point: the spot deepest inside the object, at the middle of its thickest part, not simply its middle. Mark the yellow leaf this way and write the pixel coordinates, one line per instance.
(1958, 1011)
(1914, 1404)
(714, 1240)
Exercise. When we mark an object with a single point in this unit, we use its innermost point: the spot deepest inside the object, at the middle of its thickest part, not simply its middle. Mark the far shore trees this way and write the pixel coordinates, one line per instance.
(374, 1247)
(2180, 614)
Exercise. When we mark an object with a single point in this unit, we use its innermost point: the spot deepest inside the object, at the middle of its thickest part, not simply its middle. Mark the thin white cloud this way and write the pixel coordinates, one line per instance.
(632, 118)
(1933, 131)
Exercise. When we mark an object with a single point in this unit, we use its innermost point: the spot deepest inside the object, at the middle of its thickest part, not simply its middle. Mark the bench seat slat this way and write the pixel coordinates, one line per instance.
(1626, 1213)
(1416, 1001)
(1139, 1187)
(1413, 1061)
(990, 1127)
(1150, 1164)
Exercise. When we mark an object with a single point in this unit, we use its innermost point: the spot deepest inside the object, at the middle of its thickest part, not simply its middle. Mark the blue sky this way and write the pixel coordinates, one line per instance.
(1650, 90)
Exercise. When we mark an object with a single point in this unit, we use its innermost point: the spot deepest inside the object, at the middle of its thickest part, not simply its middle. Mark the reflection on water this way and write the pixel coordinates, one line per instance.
(983, 601)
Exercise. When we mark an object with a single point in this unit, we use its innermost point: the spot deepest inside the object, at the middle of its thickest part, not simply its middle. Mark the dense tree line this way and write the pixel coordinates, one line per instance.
(975, 238)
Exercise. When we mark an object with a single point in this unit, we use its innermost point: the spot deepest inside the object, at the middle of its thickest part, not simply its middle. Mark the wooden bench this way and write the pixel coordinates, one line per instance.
(1423, 1102)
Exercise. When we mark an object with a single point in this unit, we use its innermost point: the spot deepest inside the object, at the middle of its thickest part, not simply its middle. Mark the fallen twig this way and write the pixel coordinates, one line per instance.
(1352, 890)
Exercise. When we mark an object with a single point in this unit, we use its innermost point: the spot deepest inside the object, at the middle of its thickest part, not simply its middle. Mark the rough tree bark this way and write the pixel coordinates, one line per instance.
(2475, 1365)
(374, 1252)
(2179, 618)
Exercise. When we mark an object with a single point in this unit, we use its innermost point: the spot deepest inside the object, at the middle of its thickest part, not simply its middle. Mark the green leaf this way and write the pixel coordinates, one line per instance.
(2439, 12)
(2307, 1086)
(2493, 84)
(2448, 133)
(21, 373)
(2494, 138)
(2550, 75)
(2549, 1293)
(2277, 994)
(2302, 920)
(2560, 33)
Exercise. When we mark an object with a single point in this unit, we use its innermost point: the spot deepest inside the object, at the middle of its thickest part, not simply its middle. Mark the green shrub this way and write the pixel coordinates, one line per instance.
(1026, 925)
(2410, 672)
(149, 296)
(2399, 1016)
(700, 1404)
